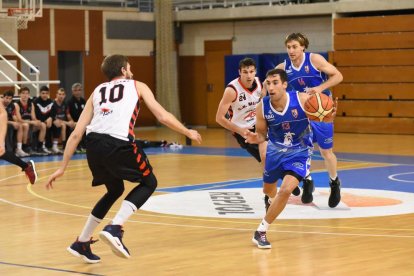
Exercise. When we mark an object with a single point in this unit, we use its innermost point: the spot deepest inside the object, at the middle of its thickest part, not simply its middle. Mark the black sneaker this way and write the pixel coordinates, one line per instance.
(260, 239)
(307, 190)
(83, 250)
(296, 191)
(112, 235)
(267, 203)
(335, 196)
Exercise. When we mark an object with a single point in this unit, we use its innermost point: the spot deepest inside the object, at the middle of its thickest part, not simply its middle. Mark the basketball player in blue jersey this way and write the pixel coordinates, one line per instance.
(311, 73)
(281, 117)
(113, 156)
(241, 97)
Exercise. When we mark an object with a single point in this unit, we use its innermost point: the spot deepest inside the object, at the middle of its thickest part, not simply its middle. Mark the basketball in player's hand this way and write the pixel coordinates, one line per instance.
(318, 107)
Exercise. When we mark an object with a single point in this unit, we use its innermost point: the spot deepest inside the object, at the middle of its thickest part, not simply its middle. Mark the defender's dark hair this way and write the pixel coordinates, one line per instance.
(280, 72)
(112, 66)
(246, 62)
(301, 38)
(8, 93)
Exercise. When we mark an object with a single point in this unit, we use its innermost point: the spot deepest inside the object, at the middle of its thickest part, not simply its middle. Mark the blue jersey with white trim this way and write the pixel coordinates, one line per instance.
(288, 130)
(305, 76)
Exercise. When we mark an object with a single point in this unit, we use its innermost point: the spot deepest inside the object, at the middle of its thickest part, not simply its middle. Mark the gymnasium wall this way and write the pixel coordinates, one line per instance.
(84, 31)
(376, 57)
(257, 36)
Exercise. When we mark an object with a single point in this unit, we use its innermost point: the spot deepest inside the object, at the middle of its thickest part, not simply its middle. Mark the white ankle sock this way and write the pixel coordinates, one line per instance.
(263, 226)
(90, 225)
(126, 210)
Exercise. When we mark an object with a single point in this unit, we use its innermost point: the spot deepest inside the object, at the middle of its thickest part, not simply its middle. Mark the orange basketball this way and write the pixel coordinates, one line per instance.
(318, 107)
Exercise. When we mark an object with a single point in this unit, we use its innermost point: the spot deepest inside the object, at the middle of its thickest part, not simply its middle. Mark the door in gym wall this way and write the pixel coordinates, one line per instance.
(214, 52)
(70, 66)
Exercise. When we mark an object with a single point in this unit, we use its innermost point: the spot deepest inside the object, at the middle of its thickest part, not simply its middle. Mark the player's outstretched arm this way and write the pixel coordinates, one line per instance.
(162, 115)
(73, 141)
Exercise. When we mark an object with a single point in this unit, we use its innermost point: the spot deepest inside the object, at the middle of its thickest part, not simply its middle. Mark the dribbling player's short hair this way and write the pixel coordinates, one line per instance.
(280, 72)
(246, 62)
(112, 66)
(301, 38)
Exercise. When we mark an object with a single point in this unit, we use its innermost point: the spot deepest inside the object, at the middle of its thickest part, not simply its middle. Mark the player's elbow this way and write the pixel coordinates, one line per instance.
(340, 77)
(219, 119)
(164, 118)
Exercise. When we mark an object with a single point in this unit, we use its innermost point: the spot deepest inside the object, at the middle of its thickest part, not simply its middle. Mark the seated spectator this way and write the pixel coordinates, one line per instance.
(62, 120)
(13, 124)
(43, 107)
(76, 104)
(25, 113)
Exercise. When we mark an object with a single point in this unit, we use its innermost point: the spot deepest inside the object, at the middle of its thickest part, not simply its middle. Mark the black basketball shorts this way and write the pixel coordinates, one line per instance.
(112, 159)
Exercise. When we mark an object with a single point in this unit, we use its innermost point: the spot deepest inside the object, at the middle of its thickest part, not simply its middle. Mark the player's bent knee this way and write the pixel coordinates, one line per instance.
(284, 192)
(115, 190)
(150, 181)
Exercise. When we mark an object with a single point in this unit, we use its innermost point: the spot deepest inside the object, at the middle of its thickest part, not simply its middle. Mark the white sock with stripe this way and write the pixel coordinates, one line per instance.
(90, 225)
(126, 210)
(263, 226)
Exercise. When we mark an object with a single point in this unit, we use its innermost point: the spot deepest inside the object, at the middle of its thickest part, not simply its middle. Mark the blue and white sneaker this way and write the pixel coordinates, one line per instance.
(112, 235)
(260, 239)
(83, 250)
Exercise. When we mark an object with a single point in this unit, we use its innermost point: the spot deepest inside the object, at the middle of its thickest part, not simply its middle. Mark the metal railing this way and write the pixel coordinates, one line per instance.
(36, 71)
(213, 4)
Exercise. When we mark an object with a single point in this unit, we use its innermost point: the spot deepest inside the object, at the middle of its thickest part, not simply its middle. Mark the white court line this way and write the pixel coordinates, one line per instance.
(213, 227)
(393, 177)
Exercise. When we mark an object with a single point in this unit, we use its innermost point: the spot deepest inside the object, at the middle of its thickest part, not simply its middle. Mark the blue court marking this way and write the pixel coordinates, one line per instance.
(377, 158)
(50, 268)
(364, 178)
(239, 152)
(231, 152)
(50, 158)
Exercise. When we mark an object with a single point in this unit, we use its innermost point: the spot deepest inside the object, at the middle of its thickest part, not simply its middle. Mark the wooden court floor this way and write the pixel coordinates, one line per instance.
(175, 235)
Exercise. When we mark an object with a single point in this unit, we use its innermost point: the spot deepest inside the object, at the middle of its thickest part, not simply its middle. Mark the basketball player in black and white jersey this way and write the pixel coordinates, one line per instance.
(113, 156)
(240, 99)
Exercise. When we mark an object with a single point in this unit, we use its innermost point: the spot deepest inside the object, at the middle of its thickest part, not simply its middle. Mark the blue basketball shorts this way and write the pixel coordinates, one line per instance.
(322, 134)
(278, 163)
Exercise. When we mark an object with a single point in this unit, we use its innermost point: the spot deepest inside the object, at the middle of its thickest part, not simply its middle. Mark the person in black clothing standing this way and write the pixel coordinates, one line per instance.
(76, 103)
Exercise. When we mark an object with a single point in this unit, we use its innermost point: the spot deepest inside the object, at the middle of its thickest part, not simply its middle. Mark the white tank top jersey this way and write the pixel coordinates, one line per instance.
(115, 109)
(244, 105)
